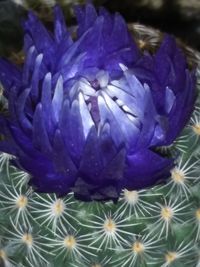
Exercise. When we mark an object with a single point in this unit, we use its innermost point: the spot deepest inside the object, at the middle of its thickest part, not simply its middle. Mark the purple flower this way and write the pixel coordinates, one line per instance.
(87, 114)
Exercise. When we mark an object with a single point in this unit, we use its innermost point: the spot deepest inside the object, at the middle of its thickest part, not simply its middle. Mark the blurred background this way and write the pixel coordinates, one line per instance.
(179, 17)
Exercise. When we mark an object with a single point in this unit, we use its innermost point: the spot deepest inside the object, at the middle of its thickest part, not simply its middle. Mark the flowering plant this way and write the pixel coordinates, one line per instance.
(88, 114)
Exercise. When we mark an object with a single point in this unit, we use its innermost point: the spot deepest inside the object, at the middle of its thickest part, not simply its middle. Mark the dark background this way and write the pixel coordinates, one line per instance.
(179, 17)
(182, 18)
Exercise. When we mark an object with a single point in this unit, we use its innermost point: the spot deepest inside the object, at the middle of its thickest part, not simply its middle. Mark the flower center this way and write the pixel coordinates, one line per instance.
(114, 102)
(96, 85)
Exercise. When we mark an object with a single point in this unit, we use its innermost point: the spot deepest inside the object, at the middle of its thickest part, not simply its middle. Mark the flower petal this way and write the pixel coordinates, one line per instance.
(145, 168)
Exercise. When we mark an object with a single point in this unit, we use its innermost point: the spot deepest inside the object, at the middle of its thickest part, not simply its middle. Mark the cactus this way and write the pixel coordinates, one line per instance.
(157, 226)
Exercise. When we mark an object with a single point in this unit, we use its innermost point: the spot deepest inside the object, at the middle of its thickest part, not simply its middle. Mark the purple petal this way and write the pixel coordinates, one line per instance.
(145, 168)
(86, 17)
